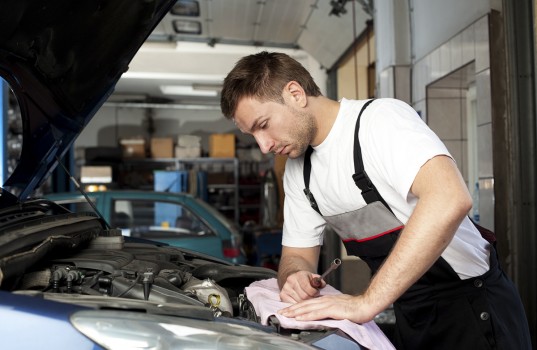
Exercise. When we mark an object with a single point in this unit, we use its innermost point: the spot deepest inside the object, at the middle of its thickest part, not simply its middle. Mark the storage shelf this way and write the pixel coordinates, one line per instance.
(222, 186)
(250, 187)
(249, 206)
(224, 192)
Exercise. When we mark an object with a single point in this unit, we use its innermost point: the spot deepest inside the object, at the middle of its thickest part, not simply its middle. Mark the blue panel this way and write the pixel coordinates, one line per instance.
(201, 190)
(169, 181)
(35, 323)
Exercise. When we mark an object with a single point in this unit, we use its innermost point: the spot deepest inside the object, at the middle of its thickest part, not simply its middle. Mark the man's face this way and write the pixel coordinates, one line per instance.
(277, 128)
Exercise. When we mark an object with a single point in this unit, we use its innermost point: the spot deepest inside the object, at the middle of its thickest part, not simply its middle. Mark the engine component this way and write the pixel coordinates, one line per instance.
(208, 292)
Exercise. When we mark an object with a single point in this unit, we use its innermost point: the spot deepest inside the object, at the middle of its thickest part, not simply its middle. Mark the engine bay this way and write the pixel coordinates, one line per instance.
(110, 267)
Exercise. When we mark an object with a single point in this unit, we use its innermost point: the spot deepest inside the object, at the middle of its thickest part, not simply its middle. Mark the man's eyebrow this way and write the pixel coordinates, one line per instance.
(254, 125)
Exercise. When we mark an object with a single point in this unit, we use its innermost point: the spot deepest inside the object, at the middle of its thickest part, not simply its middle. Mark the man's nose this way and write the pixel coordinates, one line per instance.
(264, 142)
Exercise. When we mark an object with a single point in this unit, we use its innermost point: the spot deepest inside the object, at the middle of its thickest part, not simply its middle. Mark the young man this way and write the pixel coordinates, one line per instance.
(384, 182)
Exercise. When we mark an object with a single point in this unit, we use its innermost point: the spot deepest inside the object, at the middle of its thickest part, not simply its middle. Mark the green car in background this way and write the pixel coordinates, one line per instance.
(178, 219)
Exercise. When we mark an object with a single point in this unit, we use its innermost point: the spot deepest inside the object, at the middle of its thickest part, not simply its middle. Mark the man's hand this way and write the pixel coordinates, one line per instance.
(338, 307)
(299, 286)
(295, 273)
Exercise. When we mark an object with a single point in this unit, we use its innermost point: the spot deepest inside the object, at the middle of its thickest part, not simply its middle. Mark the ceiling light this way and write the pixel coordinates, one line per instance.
(338, 7)
(207, 87)
(186, 90)
(189, 8)
(183, 26)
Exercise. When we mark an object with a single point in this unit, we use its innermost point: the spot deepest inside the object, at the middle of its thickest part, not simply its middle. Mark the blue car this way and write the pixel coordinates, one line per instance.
(178, 219)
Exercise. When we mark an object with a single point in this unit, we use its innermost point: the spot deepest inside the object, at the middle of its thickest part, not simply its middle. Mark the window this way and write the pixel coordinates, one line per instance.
(190, 8)
(157, 219)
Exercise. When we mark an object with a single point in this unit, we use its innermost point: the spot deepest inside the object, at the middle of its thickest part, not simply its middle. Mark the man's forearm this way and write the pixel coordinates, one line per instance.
(287, 267)
(411, 257)
(428, 232)
(297, 259)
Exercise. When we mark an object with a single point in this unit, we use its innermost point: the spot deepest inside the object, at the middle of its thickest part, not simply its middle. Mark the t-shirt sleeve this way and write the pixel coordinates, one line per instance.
(303, 227)
(400, 143)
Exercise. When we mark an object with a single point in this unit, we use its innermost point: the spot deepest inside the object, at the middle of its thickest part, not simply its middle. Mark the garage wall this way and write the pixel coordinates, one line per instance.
(433, 22)
(111, 123)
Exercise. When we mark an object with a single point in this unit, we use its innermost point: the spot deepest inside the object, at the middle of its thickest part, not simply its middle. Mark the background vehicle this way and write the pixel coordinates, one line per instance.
(177, 219)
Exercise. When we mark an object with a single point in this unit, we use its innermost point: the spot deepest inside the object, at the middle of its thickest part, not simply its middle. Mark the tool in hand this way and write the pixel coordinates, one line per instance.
(317, 281)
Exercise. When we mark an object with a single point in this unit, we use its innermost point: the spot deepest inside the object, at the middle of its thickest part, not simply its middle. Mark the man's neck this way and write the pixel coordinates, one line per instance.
(325, 112)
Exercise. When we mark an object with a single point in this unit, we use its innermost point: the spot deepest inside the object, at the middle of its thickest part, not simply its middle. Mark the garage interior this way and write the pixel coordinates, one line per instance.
(164, 115)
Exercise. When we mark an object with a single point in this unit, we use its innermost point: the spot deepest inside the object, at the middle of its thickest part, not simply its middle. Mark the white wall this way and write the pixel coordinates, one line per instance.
(197, 62)
(434, 22)
(392, 33)
(408, 30)
(111, 124)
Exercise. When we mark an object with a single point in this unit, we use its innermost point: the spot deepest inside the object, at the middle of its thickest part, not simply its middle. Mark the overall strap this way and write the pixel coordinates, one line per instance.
(306, 174)
(361, 179)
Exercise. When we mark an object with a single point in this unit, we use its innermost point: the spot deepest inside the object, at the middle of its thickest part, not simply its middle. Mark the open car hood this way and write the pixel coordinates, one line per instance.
(62, 59)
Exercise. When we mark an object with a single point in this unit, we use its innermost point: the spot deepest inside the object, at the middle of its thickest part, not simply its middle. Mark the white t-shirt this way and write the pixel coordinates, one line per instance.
(395, 143)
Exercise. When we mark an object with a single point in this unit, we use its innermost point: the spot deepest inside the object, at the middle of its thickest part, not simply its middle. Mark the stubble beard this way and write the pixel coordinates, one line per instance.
(302, 133)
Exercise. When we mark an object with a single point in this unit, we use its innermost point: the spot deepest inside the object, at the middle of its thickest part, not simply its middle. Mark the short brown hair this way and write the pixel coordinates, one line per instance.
(263, 75)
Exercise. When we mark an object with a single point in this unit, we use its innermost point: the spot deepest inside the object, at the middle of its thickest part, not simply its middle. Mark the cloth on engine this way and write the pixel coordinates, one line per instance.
(265, 297)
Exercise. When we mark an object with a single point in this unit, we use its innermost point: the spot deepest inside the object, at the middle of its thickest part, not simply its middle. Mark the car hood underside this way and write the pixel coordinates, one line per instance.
(62, 59)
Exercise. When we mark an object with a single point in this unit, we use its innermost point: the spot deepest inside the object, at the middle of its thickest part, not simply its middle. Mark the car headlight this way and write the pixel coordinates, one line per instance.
(129, 330)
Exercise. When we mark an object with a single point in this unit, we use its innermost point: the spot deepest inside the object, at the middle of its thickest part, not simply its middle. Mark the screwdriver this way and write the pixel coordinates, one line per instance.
(317, 281)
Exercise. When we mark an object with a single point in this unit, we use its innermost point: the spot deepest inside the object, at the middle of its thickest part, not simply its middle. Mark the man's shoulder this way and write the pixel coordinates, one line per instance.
(377, 105)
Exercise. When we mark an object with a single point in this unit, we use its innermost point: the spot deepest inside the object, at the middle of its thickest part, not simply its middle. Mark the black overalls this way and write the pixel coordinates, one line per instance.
(440, 311)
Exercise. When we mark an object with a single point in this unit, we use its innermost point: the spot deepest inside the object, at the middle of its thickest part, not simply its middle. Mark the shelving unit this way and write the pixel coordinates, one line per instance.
(227, 165)
(233, 186)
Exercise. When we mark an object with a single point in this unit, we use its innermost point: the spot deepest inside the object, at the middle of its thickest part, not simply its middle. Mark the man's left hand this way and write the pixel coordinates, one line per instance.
(338, 307)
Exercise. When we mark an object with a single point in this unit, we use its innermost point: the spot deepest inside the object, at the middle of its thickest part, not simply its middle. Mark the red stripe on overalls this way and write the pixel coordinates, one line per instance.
(375, 236)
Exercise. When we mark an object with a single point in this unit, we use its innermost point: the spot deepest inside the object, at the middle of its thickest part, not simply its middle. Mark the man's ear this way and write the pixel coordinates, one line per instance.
(296, 93)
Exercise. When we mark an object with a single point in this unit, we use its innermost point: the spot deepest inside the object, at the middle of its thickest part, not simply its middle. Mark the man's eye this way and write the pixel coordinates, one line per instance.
(263, 125)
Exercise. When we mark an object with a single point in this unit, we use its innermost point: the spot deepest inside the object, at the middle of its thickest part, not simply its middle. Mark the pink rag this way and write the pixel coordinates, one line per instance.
(265, 297)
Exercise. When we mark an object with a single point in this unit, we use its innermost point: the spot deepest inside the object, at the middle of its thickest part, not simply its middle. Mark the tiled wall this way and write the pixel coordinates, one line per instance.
(470, 46)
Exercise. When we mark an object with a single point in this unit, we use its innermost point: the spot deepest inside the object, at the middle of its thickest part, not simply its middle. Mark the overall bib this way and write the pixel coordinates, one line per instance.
(440, 311)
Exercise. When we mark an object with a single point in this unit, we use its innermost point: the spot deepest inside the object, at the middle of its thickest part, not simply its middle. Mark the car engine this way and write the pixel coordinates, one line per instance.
(73, 255)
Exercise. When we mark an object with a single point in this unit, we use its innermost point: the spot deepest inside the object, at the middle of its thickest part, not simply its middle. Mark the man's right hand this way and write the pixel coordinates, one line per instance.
(299, 287)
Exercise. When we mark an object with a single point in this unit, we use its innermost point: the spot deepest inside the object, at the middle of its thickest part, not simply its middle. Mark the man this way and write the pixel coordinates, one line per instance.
(385, 183)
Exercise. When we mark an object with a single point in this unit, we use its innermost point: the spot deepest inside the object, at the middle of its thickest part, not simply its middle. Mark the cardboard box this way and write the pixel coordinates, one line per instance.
(188, 141)
(133, 148)
(162, 147)
(222, 145)
(187, 152)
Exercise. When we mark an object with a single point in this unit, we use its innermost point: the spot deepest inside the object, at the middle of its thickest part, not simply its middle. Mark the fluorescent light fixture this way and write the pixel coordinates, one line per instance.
(183, 26)
(186, 90)
(207, 87)
(96, 174)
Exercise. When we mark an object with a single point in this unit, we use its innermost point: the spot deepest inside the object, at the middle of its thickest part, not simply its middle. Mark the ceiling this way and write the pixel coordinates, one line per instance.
(193, 65)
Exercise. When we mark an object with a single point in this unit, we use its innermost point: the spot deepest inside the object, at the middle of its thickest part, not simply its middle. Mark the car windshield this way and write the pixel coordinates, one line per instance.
(230, 225)
(78, 205)
(156, 219)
